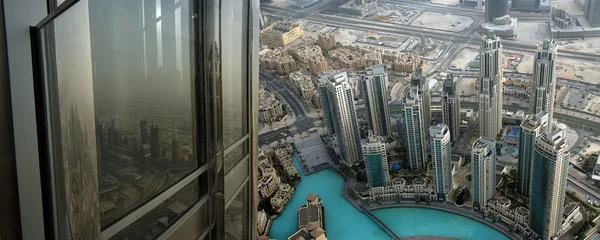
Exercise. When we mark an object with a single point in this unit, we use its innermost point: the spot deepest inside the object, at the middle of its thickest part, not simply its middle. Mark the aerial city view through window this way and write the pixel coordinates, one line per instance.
(440, 119)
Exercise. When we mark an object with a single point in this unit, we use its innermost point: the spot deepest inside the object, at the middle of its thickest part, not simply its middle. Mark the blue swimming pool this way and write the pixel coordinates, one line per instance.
(343, 221)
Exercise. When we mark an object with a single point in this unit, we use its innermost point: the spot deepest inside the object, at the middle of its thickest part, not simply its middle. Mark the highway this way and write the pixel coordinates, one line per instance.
(415, 31)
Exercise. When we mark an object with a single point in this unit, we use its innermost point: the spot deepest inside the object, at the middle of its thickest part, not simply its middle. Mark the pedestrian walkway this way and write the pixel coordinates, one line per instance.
(381, 223)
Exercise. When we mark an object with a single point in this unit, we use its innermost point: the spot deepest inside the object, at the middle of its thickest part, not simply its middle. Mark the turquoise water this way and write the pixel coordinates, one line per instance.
(428, 222)
(343, 221)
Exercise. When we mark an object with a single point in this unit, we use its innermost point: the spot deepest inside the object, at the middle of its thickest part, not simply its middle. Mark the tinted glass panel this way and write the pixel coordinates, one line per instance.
(158, 219)
(236, 216)
(234, 39)
(121, 107)
(235, 156)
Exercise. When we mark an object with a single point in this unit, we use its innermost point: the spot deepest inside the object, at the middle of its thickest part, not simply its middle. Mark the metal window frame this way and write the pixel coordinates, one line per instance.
(42, 121)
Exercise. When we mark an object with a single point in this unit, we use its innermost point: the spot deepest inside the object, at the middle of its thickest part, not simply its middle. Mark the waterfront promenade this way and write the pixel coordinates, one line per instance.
(446, 207)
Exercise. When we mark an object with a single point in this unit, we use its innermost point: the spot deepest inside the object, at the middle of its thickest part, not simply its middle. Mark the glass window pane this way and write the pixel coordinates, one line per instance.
(120, 107)
(236, 216)
(235, 156)
(234, 37)
(164, 215)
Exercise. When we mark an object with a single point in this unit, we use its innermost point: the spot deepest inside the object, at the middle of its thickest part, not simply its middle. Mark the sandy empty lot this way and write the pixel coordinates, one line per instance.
(466, 86)
(532, 31)
(464, 57)
(443, 21)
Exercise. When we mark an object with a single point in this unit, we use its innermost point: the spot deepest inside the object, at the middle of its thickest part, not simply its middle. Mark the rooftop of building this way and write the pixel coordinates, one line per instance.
(312, 197)
(281, 27)
(523, 211)
(504, 201)
(483, 143)
(504, 25)
(334, 77)
(438, 131)
(309, 213)
(374, 70)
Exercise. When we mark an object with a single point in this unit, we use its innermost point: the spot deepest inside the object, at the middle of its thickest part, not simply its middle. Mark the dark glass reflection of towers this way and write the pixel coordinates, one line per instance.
(113, 129)
(146, 157)
(144, 131)
(155, 142)
(176, 149)
(100, 146)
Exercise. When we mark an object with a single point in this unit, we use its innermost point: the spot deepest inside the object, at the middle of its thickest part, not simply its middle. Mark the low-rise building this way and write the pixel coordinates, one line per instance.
(311, 232)
(327, 40)
(311, 212)
(286, 161)
(268, 185)
(285, 65)
(348, 58)
(351, 8)
(270, 109)
(282, 197)
(304, 84)
(281, 33)
(317, 64)
(262, 221)
(502, 208)
(306, 53)
(400, 189)
(372, 59)
(277, 59)
(406, 62)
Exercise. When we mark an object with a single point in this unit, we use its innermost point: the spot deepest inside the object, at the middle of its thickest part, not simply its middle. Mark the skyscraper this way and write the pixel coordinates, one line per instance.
(442, 159)
(496, 9)
(113, 129)
(375, 158)
(483, 172)
(591, 12)
(176, 149)
(544, 81)
(490, 87)
(531, 128)
(451, 108)
(414, 128)
(340, 115)
(155, 142)
(548, 184)
(374, 91)
(420, 82)
(144, 132)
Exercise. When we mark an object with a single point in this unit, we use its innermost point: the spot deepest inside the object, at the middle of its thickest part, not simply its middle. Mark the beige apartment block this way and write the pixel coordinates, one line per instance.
(327, 40)
(281, 33)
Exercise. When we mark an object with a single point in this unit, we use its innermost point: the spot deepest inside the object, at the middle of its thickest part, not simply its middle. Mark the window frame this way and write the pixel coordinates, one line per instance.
(201, 110)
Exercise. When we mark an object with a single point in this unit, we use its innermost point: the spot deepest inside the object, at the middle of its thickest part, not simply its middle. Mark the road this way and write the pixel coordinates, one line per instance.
(415, 31)
(303, 122)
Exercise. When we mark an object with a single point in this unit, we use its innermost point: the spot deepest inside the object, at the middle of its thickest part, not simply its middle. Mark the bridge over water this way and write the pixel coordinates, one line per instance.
(381, 223)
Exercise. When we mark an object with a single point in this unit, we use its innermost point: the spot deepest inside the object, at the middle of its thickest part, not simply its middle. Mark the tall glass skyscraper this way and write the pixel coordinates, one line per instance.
(441, 157)
(376, 163)
(544, 81)
(548, 184)
(451, 107)
(339, 113)
(146, 119)
(374, 83)
(420, 82)
(531, 128)
(483, 172)
(490, 86)
(414, 128)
